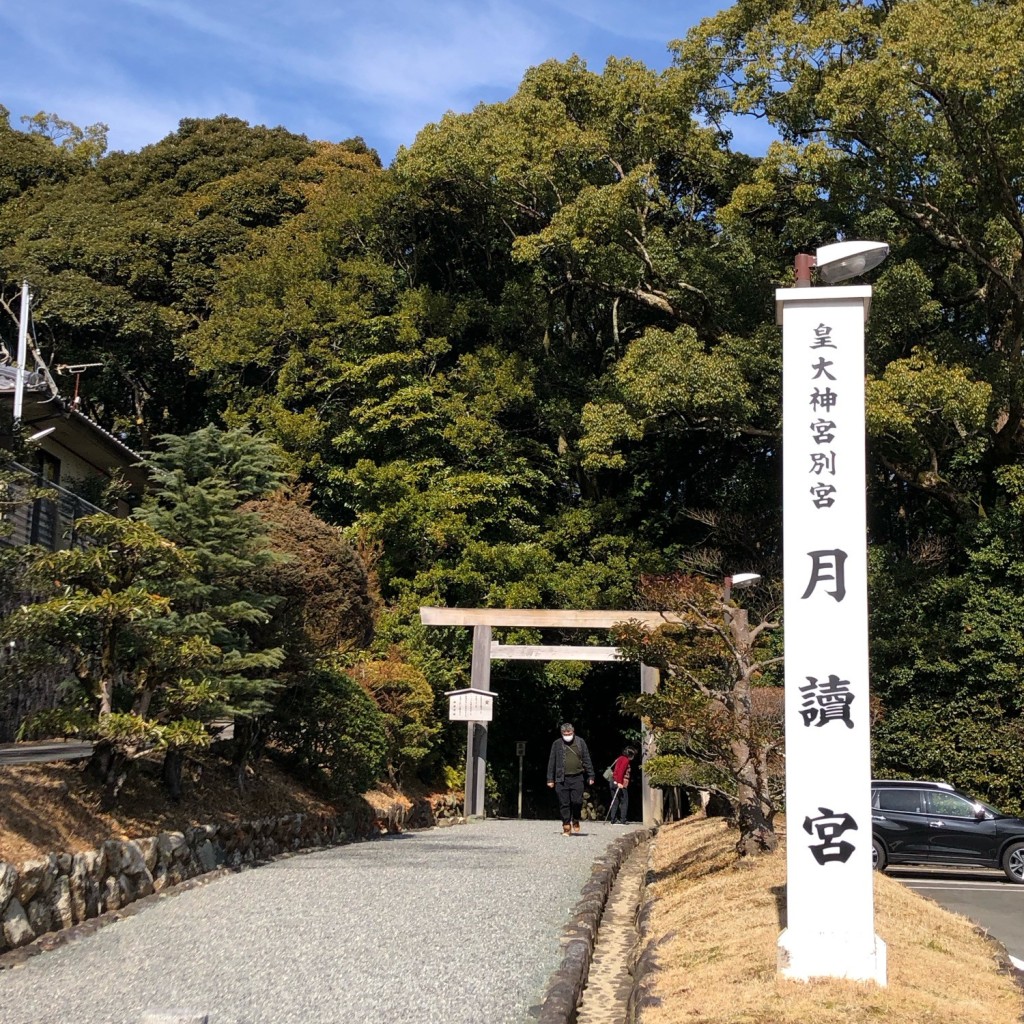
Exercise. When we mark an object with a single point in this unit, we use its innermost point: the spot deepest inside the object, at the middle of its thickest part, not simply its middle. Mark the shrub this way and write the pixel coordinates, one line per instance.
(331, 729)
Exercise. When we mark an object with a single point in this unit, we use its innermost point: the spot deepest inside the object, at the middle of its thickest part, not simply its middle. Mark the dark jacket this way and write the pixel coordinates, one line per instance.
(556, 759)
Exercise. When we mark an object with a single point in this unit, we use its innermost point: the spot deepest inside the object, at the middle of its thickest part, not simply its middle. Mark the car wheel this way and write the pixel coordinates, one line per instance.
(878, 860)
(1013, 862)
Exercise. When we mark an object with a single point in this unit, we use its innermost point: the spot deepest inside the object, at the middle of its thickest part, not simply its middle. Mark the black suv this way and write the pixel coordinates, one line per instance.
(933, 823)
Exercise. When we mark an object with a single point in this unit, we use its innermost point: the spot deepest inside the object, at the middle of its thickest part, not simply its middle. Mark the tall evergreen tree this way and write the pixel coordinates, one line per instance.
(198, 483)
(899, 119)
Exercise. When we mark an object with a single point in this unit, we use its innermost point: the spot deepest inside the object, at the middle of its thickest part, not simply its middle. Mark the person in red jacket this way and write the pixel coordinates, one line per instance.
(619, 806)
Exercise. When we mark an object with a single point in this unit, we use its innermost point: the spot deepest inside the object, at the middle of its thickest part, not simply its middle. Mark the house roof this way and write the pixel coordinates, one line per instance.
(74, 433)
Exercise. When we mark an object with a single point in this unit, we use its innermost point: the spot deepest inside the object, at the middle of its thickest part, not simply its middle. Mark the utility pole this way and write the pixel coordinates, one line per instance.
(19, 379)
(520, 753)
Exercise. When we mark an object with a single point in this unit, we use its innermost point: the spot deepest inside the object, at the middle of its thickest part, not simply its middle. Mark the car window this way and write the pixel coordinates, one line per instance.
(899, 800)
(949, 804)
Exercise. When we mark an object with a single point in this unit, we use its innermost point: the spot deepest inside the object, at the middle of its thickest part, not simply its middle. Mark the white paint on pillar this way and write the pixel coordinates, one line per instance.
(830, 899)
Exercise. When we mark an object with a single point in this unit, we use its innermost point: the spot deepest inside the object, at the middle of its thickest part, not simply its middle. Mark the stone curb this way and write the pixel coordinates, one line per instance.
(579, 936)
(644, 962)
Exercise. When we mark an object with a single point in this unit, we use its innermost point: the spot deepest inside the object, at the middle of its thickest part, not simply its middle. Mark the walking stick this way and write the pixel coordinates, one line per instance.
(615, 800)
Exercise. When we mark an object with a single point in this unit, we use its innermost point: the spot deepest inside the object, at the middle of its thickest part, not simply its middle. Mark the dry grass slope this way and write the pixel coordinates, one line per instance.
(54, 807)
(715, 920)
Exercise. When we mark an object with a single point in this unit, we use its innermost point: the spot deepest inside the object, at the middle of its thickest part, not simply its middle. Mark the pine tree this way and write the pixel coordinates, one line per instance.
(136, 675)
(199, 481)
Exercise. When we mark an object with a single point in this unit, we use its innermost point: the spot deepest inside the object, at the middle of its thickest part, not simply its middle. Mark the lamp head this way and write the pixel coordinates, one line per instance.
(40, 434)
(843, 260)
(744, 579)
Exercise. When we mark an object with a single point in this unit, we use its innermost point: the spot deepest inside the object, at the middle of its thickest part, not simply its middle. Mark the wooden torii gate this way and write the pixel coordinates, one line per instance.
(483, 620)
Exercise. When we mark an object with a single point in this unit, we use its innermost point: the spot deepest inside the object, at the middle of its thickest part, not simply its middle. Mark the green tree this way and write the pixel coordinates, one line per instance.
(439, 345)
(137, 675)
(948, 635)
(332, 732)
(123, 251)
(325, 605)
(88, 144)
(199, 483)
(899, 116)
(35, 157)
(898, 120)
(718, 724)
(405, 701)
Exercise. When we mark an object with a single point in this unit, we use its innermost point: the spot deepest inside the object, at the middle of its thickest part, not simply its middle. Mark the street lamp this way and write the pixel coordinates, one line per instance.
(738, 580)
(839, 261)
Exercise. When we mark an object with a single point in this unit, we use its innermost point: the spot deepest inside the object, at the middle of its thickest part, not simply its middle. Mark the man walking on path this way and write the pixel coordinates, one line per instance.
(619, 806)
(568, 764)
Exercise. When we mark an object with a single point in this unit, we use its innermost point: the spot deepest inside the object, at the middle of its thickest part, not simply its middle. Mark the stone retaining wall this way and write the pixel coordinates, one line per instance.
(62, 890)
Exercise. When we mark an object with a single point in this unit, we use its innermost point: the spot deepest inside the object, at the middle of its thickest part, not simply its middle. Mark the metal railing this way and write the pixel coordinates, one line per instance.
(48, 521)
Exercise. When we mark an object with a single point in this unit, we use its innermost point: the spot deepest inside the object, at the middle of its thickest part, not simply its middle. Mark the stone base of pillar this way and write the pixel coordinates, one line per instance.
(831, 955)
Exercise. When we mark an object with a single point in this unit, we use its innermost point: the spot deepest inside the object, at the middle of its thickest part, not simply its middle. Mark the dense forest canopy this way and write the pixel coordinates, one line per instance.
(534, 359)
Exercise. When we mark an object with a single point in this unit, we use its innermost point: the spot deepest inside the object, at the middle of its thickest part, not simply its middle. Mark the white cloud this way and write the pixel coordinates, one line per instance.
(325, 68)
(653, 21)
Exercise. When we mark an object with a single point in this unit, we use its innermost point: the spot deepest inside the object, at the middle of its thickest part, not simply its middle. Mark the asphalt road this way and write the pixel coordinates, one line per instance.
(459, 925)
(986, 897)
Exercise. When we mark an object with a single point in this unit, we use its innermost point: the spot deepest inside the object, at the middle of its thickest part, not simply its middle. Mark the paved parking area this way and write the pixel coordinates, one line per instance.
(986, 897)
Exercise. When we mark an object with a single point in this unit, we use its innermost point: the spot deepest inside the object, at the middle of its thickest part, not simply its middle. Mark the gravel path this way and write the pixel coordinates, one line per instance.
(448, 925)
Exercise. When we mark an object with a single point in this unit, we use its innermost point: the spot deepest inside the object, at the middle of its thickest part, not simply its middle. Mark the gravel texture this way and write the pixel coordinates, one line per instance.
(450, 925)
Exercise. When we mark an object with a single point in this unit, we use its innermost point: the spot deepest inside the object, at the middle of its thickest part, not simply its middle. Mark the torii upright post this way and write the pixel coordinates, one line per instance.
(651, 797)
(476, 732)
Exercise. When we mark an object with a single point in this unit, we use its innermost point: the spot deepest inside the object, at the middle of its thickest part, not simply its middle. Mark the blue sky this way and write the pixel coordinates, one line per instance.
(328, 69)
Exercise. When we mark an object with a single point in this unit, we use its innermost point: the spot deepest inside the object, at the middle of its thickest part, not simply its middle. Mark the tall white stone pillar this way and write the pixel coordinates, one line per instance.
(830, 902)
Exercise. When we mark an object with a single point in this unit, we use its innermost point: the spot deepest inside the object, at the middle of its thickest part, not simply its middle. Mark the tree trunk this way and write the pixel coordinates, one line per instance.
(109, 766)
(106, 695)
(174, 760)
(250, 739)
(756, 832)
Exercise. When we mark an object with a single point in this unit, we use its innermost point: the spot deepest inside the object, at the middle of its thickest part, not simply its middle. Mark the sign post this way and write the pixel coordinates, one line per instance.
(520, 753)
(475, 707)
(830, 898)
(19, 376)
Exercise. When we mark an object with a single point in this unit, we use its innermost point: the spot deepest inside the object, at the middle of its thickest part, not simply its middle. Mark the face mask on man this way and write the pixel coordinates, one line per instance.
(568, 737)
